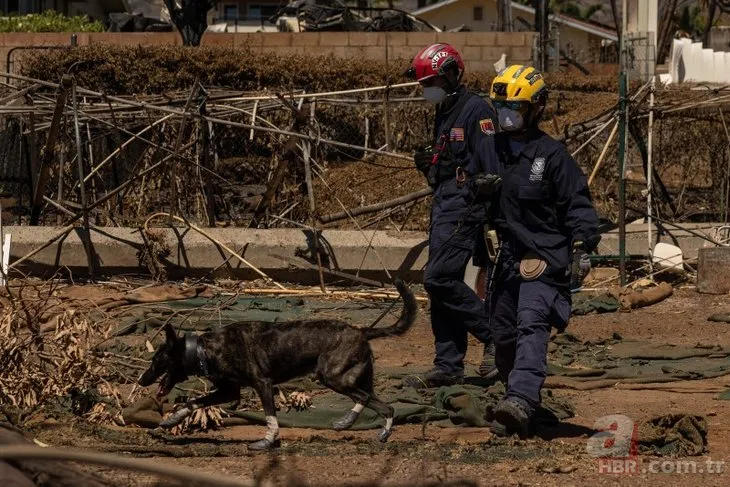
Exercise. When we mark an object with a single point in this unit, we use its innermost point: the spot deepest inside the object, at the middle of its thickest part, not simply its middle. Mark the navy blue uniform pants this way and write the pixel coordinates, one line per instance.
(522, 314)
(455, 308)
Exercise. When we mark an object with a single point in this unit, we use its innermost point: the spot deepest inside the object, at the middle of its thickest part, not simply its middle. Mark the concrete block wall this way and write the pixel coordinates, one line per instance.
(480, 49)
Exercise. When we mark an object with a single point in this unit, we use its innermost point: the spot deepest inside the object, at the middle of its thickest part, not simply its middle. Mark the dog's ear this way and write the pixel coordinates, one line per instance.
(170, 334)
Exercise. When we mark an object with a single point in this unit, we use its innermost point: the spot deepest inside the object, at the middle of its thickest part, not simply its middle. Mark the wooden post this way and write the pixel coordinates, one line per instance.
(204, 154)
(367, 128)
(307, 156)
(253, 118)
(288, 154)
(59, 195)
(46, 157)
(171, 169)
(33, 151)
(86, 235)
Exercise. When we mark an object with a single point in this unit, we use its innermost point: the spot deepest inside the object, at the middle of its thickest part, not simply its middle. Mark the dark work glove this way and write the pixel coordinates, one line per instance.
(423, 159)
(486, 185)
(579, 267)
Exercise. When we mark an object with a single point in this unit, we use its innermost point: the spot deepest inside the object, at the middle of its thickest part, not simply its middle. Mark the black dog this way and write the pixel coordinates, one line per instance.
(261, 354)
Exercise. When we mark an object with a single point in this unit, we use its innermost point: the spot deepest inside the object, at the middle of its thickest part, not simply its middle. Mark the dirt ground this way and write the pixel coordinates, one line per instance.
(415, 454)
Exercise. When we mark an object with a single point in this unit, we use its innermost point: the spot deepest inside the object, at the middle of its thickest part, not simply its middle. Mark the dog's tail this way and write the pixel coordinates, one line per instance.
(407, 317)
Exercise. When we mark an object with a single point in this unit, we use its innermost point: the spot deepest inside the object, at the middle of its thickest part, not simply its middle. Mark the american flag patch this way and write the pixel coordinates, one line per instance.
(457, 134)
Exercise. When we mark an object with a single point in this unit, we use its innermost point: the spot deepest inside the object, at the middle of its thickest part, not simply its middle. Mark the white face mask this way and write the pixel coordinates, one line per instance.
(510, 120)
(434, 94)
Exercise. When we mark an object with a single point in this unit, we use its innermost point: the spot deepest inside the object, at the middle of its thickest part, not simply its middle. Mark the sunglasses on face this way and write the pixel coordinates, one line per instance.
(512, 105)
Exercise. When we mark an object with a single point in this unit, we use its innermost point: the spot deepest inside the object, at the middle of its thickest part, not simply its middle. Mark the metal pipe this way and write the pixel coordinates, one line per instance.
(623, 122)
(25, 48)
(621, 181)
(649, 174)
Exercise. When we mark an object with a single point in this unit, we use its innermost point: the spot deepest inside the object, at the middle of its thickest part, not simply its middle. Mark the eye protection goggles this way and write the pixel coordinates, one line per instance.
(512, 105)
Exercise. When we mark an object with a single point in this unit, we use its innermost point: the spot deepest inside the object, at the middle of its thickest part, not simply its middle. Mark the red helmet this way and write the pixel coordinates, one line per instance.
(435, 60)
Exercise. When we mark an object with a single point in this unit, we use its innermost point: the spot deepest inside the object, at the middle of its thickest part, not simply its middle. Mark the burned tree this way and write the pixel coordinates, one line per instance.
(190, 18)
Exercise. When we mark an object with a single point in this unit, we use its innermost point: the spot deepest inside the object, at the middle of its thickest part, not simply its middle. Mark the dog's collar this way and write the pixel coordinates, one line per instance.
(196, 362)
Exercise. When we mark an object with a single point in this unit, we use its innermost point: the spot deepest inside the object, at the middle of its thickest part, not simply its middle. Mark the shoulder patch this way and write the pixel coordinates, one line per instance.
(487, 126)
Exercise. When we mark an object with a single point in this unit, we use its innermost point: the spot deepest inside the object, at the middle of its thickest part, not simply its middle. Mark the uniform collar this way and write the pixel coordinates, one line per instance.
(529, 149)
(446, 107)
(196, 363)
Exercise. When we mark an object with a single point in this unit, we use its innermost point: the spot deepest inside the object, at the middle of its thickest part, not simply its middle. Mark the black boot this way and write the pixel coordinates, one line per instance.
(515, 417)
(433, 378)
(498, 429)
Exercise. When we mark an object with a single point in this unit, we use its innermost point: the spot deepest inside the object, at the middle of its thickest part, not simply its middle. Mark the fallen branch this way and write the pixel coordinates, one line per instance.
(313, 292)
(376, 207)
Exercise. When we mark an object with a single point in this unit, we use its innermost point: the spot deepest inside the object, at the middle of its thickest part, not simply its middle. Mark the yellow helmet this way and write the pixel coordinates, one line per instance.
(518, 83)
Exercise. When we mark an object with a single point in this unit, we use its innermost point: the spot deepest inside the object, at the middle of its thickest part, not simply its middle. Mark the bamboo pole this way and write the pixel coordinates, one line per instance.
(171, 168)
(331, 293)
(71, 223)
(598, 131)
(48, 150)
(124, 145)
(80, 165)
(603, 153)
(223, 121)
(306, 147)
(376, 207)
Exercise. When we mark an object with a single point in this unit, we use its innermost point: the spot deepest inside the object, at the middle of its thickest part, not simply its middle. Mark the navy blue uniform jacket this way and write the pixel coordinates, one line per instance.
(475, 123)
(544, 204)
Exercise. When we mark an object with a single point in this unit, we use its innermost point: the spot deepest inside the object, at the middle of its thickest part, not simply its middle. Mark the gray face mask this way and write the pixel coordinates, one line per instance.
(434, 94)
(510, 120)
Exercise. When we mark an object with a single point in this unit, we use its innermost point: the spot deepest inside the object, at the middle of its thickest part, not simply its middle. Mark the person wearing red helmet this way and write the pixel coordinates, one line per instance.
(463, 120)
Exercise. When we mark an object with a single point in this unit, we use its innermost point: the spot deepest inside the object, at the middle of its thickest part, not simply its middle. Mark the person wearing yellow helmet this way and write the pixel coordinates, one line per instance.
(547, 227)
(519, 94)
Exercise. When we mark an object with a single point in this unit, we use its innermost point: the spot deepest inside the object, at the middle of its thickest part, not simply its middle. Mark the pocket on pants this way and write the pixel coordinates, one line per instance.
(561, 310)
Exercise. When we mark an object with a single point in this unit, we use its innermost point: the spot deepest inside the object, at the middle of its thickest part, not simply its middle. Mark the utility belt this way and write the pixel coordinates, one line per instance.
(531, 265)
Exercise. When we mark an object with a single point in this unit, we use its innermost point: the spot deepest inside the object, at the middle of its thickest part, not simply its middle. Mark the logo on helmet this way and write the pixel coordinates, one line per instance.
(436, 58)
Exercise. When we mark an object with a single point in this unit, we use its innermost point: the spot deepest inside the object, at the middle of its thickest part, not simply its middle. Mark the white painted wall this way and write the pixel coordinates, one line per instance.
(689, 62)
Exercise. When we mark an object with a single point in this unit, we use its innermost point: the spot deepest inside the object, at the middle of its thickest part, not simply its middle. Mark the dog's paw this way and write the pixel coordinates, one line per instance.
(384, 435)
(176, 418)
(265, 444)
(346, 421)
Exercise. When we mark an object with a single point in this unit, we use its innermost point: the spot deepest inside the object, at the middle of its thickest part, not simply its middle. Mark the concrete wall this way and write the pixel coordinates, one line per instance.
(480, 49)
(274, 251)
